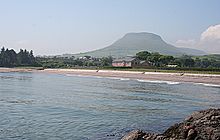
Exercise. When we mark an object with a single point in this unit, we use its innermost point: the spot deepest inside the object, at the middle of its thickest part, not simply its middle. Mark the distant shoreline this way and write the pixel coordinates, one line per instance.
(148, 76)
(29, 69)
(138, 75)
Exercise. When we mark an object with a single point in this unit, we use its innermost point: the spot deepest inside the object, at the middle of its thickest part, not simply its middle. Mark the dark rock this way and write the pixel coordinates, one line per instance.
(191, 134)
(134, 135)
(202, 125)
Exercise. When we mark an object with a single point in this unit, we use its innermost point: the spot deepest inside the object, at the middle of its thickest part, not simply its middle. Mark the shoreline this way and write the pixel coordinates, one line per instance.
(135, 75)
(143, 76)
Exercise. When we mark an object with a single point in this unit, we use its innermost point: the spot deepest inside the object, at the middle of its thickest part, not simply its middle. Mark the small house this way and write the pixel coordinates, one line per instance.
(144, 64)
(172, 66)
(125, 62)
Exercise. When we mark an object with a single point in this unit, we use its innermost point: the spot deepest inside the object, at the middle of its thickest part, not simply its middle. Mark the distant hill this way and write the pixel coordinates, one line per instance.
(132, 43)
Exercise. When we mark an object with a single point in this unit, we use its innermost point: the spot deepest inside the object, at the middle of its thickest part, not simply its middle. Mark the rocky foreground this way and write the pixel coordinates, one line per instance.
(202, 125)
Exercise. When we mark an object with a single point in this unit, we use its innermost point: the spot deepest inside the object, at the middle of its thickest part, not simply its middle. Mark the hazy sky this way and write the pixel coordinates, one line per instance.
(71, 26)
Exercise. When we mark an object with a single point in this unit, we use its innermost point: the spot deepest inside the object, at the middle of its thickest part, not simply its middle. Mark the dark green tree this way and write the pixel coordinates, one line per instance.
(143, 55)
(186, 61)
(9, 58)
(106, 61)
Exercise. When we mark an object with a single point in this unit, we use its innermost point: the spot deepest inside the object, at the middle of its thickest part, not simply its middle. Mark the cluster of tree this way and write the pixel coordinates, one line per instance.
(206, 63)
(155, 59)
(9, 58)
(184, 61)
(69, 62)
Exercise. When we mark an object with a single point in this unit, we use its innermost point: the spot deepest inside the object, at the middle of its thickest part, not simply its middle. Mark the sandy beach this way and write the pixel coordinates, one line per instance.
(142, 76)
(148, 76)
(17, 70)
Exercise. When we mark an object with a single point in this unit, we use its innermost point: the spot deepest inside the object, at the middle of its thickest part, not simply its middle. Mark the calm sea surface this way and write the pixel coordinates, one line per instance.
(55, 106)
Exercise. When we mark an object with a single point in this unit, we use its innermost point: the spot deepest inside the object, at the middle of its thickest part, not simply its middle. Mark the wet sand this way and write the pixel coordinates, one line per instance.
(149, 76)
(17, 70)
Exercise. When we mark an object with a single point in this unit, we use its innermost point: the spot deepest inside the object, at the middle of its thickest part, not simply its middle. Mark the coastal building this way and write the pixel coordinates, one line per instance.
(144, 64)
(125, 62)
(172, 66)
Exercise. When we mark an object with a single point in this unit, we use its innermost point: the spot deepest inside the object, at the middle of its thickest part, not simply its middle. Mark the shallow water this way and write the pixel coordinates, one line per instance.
(56, 106)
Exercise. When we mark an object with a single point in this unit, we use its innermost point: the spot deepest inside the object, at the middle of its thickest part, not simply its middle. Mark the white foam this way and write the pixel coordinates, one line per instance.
(206, 84)
(159, 82)
(141, 80)
(114, 78)
(78, 75)
(70, 75)
(125, 79)
(118, 78)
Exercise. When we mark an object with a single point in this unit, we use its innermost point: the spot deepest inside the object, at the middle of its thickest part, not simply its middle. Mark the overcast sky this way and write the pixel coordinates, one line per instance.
(70, 26)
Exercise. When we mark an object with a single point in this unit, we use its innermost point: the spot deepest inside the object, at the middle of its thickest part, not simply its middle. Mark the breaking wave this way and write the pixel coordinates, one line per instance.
(159, 82)
(208, 85)
(142, 80)
(114, 78)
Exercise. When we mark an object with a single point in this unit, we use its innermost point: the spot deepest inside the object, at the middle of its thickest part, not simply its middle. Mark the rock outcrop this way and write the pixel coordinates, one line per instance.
(202, 125)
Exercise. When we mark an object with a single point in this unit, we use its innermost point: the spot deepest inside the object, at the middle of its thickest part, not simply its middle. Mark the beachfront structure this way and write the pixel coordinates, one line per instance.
(125, 62)
(144, 64)
(172, 66)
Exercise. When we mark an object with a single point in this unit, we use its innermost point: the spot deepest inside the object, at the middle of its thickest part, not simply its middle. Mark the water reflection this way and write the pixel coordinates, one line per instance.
(51, 106)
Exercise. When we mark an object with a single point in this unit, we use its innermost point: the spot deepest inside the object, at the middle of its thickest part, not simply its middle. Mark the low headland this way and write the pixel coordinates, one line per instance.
(202, 125)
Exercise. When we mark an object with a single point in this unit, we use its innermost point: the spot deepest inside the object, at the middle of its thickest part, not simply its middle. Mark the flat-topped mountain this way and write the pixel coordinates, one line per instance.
(132, 43)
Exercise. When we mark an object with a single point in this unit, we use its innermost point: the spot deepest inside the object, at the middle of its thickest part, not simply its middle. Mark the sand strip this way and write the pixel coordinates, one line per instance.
(141, 76)
(149, 76)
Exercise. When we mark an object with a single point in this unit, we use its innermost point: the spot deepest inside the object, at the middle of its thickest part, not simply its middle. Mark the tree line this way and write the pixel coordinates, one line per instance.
(72, 62)
(9, 58)
(184, 61)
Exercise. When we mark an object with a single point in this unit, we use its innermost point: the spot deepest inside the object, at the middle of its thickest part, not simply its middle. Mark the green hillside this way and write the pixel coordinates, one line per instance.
(132, 43)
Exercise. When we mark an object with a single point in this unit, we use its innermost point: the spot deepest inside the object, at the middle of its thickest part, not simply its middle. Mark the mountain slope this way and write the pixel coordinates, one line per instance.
(132, 43)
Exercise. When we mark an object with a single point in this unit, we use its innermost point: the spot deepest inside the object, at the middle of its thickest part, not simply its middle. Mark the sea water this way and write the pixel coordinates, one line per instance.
(58, 106)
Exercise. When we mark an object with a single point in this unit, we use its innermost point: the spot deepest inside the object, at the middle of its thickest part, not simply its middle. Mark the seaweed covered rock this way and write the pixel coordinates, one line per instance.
(202, 125)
